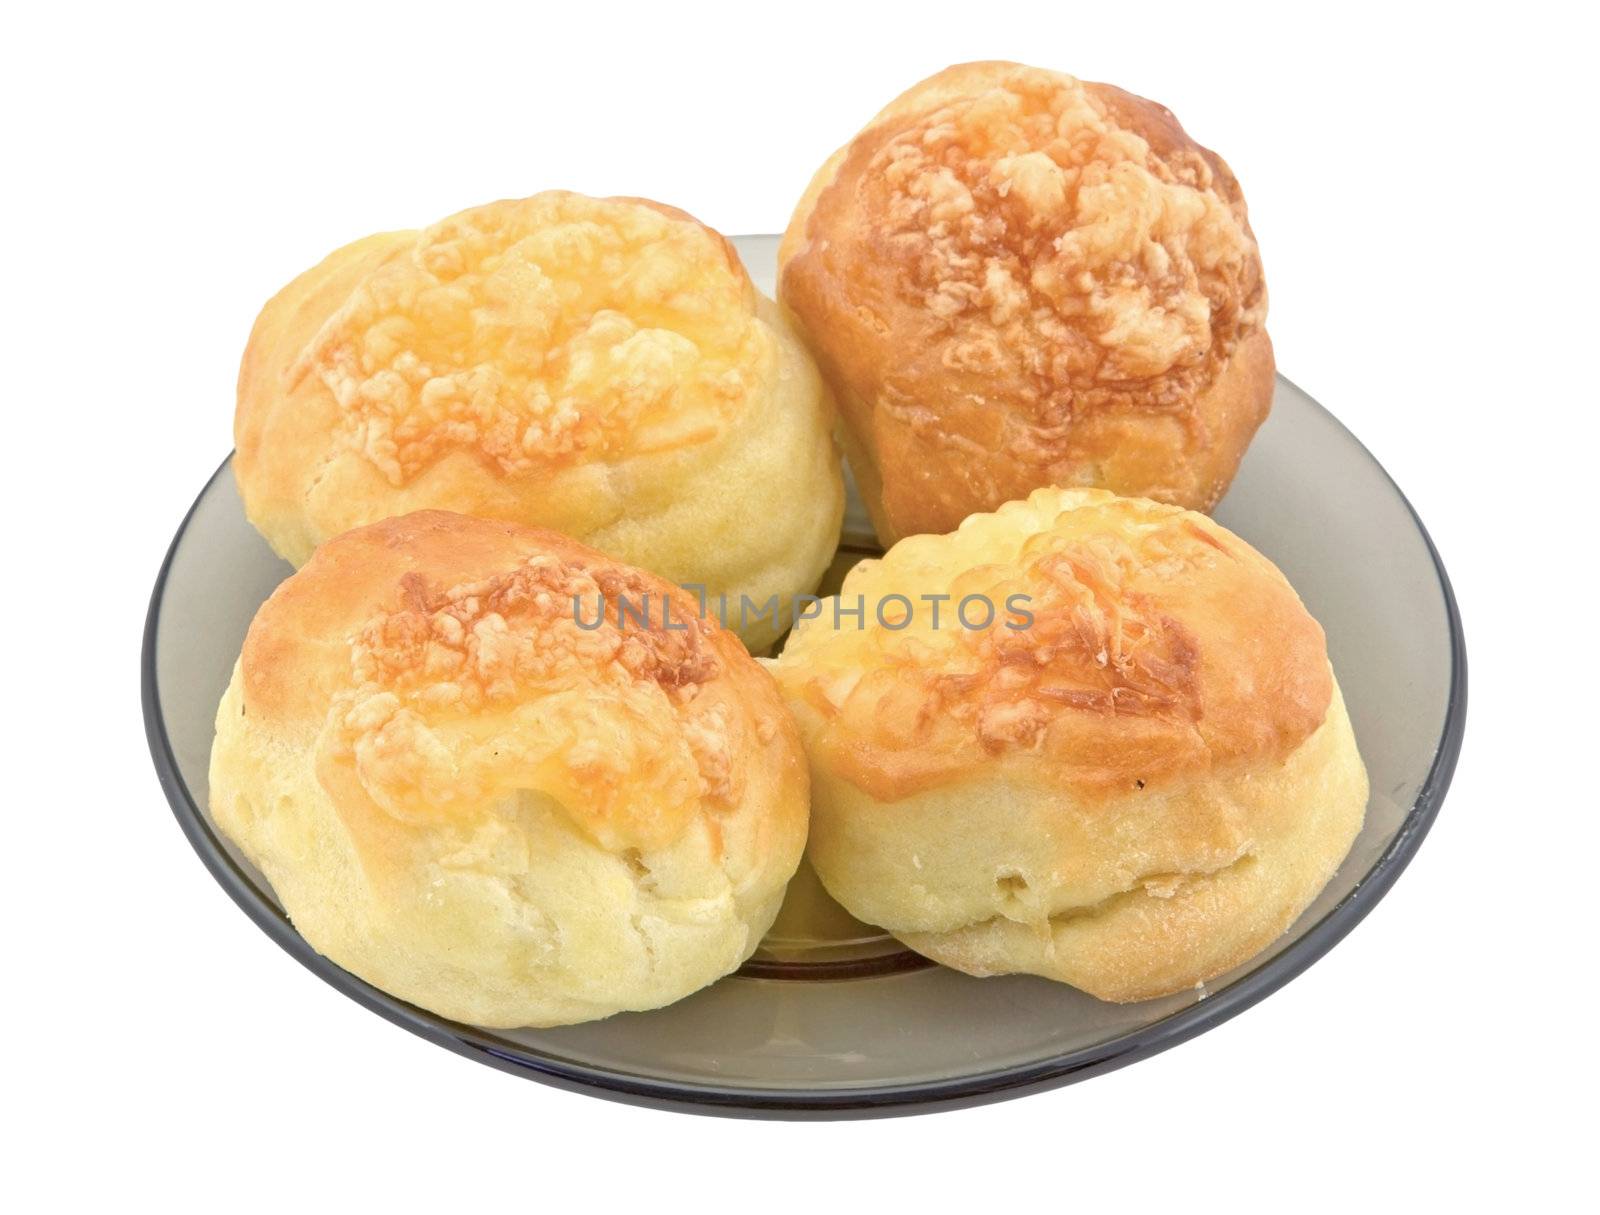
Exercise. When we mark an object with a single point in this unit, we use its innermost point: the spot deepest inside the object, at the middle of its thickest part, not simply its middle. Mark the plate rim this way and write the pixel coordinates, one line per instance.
(877, 1100)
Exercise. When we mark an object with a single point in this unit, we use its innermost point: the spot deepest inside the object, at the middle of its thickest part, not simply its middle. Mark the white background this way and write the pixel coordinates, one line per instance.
(1423, 186)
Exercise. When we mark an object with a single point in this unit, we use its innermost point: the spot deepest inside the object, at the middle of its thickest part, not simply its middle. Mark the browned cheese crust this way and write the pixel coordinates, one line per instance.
(1011, 279)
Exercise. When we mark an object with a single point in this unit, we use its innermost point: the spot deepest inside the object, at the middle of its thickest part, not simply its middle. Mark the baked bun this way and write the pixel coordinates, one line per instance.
(474, 800)
(1132, 778)
(602, 367)
(1015, 279)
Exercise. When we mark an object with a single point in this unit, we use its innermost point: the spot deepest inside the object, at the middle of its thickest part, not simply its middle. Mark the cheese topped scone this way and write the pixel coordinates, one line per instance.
(1086, 737)
(600, 367)
(1012, 278)
(505, 777)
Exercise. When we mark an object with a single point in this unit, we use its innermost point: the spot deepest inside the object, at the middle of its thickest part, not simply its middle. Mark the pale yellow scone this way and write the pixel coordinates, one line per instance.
(601, 367)
(493, 803)
(1130, 775)
(1012, 278)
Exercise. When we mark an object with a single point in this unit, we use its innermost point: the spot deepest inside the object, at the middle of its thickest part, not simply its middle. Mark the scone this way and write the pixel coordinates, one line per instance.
(601, 367)
(474, 788)
(1086, 737)
(1014, 279)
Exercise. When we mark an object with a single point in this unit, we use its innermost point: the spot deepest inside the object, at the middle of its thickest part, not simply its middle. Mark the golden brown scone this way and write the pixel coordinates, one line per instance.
(602, 367)
(1012, 278)
(467, 796)
(1132, 779)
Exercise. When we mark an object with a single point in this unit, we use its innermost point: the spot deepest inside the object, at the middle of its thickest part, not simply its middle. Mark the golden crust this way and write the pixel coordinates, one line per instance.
(1134, 788)
(435, 739)
(603, 367)
(1012, 278)
(1136, 653)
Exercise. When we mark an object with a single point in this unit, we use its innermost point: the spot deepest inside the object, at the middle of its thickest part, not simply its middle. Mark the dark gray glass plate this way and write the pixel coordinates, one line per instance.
(874, 1035)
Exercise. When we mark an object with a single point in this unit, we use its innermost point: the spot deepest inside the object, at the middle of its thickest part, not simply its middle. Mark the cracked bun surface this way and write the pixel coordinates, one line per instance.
(496, 804)
(1130, 775)
(601, 367)
(1012, 278)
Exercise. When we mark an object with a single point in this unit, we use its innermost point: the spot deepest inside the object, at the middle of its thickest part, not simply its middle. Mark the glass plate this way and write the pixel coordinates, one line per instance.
(833, 1019)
